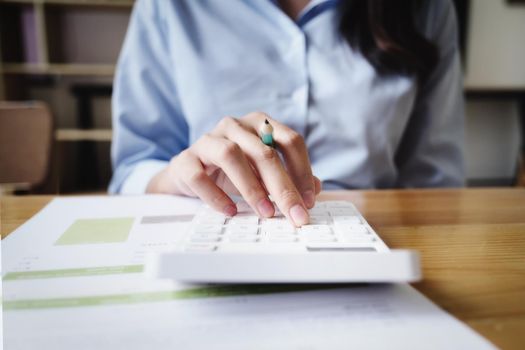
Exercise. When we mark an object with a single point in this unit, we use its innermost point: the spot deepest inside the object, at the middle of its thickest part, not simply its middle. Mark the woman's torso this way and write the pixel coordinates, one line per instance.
(232, 58)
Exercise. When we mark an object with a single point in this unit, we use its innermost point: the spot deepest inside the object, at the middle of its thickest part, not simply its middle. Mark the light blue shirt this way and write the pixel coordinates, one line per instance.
(185, 65)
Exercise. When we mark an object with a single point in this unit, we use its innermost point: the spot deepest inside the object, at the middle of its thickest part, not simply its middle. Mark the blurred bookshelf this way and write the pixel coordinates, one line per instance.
(63, 52)
(126, 3)
(78, 69)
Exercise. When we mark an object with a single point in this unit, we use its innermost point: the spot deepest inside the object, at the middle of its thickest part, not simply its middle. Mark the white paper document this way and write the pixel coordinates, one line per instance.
(73, 279)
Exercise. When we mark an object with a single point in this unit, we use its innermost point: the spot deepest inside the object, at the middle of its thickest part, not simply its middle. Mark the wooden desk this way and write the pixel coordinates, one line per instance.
(472, 244)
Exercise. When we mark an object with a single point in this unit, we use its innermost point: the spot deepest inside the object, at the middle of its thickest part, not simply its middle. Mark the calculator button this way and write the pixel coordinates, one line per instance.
(318, 211)
(243, 207)
(208, 228)
(204, 237)
(244, 220)
(279, 230)
(200, 247)
(319, 220)
(347, 219)
(243, 229)
(334, 226)
(342, 211)
(276, 220)
(315, 229)
(240, 235)
(210, 219)
(243, 239)
(358, 238)
(351, 229)
(282, 238)
(278, 225)
(321, 239)
(338, 204)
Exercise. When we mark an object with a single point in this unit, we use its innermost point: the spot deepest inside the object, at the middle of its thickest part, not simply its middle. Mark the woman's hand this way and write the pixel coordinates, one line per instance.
(233, 160)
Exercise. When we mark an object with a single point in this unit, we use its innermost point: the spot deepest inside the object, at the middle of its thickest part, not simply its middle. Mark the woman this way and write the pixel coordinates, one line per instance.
(361, 93)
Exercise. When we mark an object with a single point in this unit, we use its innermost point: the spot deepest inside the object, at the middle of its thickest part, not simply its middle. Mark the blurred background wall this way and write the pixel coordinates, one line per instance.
(63, 52)
(494, 67)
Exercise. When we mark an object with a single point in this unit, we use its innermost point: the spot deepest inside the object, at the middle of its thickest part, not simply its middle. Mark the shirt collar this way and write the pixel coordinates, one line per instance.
(312, 10)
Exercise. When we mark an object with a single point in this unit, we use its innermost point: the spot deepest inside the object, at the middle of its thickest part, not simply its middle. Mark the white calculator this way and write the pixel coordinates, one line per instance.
(337, 246)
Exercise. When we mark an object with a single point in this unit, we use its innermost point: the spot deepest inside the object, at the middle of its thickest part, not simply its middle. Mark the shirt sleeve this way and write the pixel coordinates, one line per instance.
(148, 125)
(431, 150)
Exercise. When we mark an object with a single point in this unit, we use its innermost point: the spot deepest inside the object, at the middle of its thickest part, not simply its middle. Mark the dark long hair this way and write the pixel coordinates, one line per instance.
(386, 34)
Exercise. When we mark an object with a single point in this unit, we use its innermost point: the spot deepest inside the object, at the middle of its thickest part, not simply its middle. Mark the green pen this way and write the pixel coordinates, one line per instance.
(267, 134)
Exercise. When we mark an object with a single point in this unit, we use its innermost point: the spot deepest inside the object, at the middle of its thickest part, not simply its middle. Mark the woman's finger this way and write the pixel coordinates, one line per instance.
(291, 144)
(225, 184)
(198, 181)
(268, 165)
(228, 156)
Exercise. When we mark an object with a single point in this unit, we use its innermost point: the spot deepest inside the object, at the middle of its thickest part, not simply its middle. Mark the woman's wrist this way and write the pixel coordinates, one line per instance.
(163, 182)
(154, 185)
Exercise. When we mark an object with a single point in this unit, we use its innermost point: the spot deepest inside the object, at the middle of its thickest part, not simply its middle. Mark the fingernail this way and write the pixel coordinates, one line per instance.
(308, 198)
(265, 208)
(230, 210)
(299, 215)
